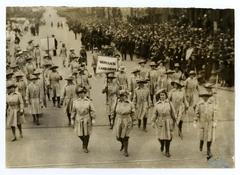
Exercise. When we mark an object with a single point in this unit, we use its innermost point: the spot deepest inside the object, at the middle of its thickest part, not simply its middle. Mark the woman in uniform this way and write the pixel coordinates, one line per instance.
(111, 91)
(54, 79)
(178, 98)
(133, 82)
(83, 116)
(15, 110)
(153, 75)
(34, 99)
(122, 78)
(205, 111)
(68, 97)
(163, 120)
(141, 101)
(124, 113)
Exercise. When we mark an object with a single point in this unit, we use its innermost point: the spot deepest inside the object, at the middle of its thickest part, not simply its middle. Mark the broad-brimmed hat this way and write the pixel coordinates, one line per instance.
(192, 72)
(135, 70)
(33, 77)
(80, 89)
(111, 76)
(95, 48)
(30, 41)
(169, 72)
(36, 45)
(75, 72)
(123, 92)
(153, 64)
(69, 78)
(28, 58)
(122, 68)
(203, 92)
(177, 82)
(141, 81)
(13, 65)
(19, 74)
(9, 72)
(47, 64)
(54, 67)
(45, 56)
(37, 71)
(11, 84)
(71, 49)
(208, 85)
(116, 55)
(142, 62)
(161, 91)
(176, 65)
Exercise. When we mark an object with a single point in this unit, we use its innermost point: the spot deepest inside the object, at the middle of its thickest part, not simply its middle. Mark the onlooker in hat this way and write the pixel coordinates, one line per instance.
(71, 56)
(111, 89)
(205, 111)
(124, 113)
(15, 110)
(122, 78)
(37, 56)
(63, 54)
(83, 56)
(68, 97)
(81, 119)
(54, 79)
(153, 79)
(46, 73)
(163, 120)
(142, 101)
(34, 99)
(95, 59)
(133, 82)
(178, 98)
(191, 88)
(55, 46)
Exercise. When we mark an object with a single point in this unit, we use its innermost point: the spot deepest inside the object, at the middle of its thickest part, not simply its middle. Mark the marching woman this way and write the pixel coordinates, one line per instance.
(83, 116)
(15, 110)
(141, 100)
(68, 97)
(205, 111)
(163, 120)
(178, 98)
(124, 113)
(111, 90)
(34, 98)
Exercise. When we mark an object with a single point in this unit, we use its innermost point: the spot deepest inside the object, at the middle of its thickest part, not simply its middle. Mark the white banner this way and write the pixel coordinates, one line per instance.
(189, 53)
(106, 64)
(47, 44)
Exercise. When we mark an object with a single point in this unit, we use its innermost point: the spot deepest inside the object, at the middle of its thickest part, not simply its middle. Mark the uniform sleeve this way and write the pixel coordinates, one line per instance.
(154, 115)
(92, 111)
(74, 111)
(21, 102)
(173, 112)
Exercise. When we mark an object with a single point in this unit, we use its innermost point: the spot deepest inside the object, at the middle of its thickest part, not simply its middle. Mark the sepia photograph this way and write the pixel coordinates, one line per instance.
(119, 87)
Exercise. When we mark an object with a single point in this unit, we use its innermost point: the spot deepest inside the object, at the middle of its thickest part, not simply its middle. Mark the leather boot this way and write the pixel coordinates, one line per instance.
(58, 101)
(139, 123)
(167, 144)
(201, 145)
(126, 146)
(161, 145)
(34, 118)
(110, 122)
(209, 154)
(145, 124)
(85, 144)
(37, 119)
(54, 101)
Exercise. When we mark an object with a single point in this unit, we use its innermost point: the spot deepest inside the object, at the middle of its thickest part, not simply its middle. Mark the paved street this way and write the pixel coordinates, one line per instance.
(54, 144)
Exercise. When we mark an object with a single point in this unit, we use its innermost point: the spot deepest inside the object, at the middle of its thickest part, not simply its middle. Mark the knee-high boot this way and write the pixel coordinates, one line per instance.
(81, 138)
(139, 123)
(145, 124)
(34, 118)
(37, 119)
(58, 101)
(85, 144)
(20, 130)
(180, 129)
(161, 145)
(87, 141)
(126, 146)
(54, 101)
(201, 145)
(167, 145)
(209, 154)
(69, 118)
(14, 133)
